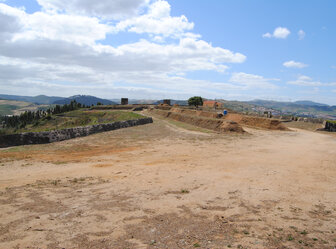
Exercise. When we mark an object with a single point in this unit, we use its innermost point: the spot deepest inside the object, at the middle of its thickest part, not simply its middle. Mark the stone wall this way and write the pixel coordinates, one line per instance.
(330, 126)
(60, 135)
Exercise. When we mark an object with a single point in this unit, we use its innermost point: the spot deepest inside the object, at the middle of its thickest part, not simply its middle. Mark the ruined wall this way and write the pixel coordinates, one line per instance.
(330, 126)
(60, 135)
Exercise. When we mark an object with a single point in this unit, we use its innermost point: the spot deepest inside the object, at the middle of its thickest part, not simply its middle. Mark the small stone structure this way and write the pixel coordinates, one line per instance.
(330, 126)
(60, 135)
(124, 101)
(166, 101)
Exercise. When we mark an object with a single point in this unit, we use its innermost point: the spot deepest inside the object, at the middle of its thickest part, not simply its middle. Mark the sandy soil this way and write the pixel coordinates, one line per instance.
(161, 186)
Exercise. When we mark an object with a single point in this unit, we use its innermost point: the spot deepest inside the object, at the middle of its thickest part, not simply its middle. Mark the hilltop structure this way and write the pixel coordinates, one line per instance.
(124, 101)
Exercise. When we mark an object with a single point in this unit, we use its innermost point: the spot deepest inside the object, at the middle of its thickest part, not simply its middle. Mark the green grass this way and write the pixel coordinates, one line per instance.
(290, 237)
(7, 109)
(82, 117)
(332, 121)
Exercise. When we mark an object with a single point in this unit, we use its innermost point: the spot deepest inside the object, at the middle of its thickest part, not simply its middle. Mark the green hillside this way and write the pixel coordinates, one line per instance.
(7, 109)
(81, 117)
(13, 107)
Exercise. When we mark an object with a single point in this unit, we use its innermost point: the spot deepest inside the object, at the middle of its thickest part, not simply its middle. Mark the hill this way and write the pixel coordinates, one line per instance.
(84, 100)
(40, 99)
(13, 107)
(299, 108)
(303, 108)
(309, 103)
(173, 102)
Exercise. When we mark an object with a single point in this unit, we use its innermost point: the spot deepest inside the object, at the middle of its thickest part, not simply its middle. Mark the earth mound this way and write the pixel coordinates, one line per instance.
(256, 122)
(219, 125)
(243, 120)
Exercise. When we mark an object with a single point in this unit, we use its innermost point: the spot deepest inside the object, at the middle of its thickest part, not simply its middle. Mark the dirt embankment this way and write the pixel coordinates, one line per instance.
(196, 113)
(250, 121)
(219, 125)
(243, 120)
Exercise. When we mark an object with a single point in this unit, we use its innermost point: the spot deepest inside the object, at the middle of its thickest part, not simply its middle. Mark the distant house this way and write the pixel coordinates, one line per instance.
(212, 104)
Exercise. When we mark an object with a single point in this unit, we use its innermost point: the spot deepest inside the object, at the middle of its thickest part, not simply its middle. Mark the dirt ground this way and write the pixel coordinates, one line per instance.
(162, 186)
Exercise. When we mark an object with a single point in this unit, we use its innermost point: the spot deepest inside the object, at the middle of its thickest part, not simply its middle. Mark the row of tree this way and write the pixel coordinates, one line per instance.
(31, 117)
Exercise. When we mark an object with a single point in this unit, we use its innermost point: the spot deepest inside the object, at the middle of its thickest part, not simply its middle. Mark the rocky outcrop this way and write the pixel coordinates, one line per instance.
(60, 135)
(330, 126)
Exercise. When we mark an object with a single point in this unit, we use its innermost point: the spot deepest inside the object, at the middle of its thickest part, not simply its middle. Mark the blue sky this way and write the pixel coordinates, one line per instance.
(279, 50)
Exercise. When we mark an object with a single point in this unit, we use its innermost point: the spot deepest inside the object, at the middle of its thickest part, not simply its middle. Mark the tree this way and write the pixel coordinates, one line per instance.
(196, 101)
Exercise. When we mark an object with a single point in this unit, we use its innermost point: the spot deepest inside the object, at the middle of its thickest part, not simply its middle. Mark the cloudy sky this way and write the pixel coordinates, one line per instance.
(231, 49)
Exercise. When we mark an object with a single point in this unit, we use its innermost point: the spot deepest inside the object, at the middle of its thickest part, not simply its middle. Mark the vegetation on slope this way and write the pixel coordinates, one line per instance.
(7, 109)
(40, 99)
(12, 107)
(85, 100)
(76, 118)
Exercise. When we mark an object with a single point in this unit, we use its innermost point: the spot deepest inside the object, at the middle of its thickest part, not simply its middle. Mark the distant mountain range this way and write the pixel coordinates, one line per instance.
(84, 100)
(299, 108)
(303, 106)
(46, 100)
(172, 102)
(282, 104)
(308, 103)
(40, 99)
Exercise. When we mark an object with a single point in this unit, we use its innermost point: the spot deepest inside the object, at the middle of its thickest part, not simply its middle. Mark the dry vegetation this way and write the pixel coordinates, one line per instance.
(171, 185)
(304, 125)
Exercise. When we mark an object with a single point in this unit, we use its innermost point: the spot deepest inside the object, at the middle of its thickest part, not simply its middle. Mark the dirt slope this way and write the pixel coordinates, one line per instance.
(241, 119)
(208, 123)
(256, 122)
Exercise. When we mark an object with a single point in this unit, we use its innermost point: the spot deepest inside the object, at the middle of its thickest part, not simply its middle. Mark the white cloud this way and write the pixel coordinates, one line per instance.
(267, 35)
(252, 81)
(279, 33)
(303, 80)
(157, 21)
(61, 50)
(294, 64)
(40, 25)
(301, 34)
(10, 24)
(115, 9)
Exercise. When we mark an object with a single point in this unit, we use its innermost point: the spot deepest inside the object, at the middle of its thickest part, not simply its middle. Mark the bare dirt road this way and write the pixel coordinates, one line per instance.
(161, 186)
